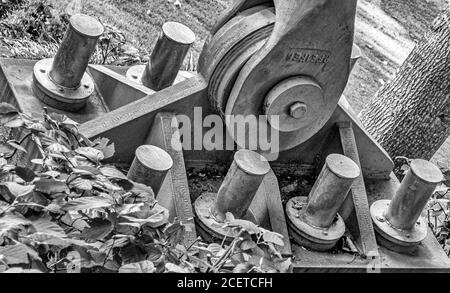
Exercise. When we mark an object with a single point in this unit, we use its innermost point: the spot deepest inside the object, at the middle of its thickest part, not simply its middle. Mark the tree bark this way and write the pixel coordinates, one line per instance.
(410, 115)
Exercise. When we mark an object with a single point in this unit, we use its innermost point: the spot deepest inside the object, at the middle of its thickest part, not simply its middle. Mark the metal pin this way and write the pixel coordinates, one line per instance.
(58, 80)
(150, 166)
(330, 190)
(167, 56)
(403, 228)
(241, 184)
(319, 225)
(415, 190)
(78, 44)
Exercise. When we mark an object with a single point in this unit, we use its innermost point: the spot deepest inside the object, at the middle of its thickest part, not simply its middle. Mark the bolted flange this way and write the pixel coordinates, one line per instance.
(150, 166)
(167, 57)
(398, 223)
(61, 82)
(235, 195)
(295, 102)
(316, 238)
(315, 222)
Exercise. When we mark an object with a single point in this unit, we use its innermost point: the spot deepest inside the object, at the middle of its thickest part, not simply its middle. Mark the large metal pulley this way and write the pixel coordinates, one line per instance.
(285, 61)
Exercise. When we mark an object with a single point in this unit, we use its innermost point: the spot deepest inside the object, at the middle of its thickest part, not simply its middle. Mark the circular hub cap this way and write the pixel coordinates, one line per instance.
(293, 104)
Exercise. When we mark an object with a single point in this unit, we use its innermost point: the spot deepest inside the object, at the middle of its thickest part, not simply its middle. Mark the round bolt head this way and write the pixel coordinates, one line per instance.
(381, 219)
(298, 110)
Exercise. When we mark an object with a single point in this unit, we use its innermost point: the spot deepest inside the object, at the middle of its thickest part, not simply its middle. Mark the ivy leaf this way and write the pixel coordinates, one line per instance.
(109, 151)
(138, 267)
(155, 217)
(85, 203)
(6, 109)
(37, 128)
(87, 170)
(91, 154)
(272, 237)
(47, 226)
(49, 239)
(101, 144)
(215, 249)
(284, 266)
(116, 241)
(98, 230)
(247, 245)
(12, 224)
(81, 184)
(16, 190)
(112, 172)
(57, 148)
(18, 270)
(16, 145)
(51, 186)
(3, 162)
(127, 209)
(248, 226)
(242, 268)
(173, 268)
(6, 149)
(25, 173)
(15, 123)
(18, 254)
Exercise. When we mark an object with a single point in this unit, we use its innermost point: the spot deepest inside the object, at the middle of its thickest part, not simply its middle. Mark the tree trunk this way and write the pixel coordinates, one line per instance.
(410, 115)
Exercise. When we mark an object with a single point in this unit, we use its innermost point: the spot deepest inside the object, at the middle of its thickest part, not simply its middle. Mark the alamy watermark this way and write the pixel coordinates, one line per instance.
(211, 133)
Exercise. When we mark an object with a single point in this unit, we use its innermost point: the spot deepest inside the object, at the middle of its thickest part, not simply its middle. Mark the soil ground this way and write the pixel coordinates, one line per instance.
(386, 31)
